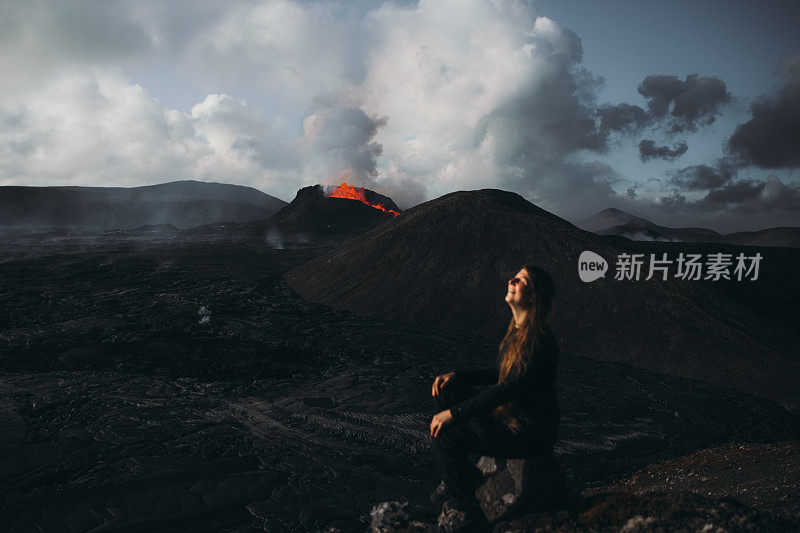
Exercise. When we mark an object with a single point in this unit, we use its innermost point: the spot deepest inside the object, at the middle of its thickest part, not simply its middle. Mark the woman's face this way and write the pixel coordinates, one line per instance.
(520, 290)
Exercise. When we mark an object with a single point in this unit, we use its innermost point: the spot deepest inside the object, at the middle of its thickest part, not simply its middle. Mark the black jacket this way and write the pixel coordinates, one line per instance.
(533, 394)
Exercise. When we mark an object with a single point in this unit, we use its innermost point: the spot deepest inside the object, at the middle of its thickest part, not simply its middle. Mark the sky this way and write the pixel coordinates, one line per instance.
(686, 113)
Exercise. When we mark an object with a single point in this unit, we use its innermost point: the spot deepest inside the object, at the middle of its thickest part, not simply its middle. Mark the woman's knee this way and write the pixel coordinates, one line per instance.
(450, 437)
(443, 401)
(450, 395)
(441, 404)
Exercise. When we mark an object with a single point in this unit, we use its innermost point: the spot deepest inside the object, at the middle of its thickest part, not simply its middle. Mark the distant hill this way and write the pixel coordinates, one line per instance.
(180, 203)
(781, 236)
(617, 222)
(647, 231)
(445, 264)
(608, 218)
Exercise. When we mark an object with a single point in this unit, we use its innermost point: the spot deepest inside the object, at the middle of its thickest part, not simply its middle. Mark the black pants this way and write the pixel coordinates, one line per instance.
(479, 436)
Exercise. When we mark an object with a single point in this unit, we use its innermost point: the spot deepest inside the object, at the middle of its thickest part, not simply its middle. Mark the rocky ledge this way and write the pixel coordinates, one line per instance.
(732, 487)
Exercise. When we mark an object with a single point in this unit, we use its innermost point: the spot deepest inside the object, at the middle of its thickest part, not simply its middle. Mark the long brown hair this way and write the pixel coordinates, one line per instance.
(519, 344)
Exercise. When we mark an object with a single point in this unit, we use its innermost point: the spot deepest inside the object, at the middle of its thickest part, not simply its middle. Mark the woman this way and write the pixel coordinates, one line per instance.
(518, 415)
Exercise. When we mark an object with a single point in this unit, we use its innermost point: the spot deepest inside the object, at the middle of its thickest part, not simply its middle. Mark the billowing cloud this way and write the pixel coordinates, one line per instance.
(291, 51)
(483, 94)
(93, 128)
(771, 138)
(649, 150)
(690, 104)
(98, 128)
(240, 139)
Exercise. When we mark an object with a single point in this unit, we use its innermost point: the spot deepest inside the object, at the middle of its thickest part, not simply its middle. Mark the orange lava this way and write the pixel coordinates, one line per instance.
(357, 193)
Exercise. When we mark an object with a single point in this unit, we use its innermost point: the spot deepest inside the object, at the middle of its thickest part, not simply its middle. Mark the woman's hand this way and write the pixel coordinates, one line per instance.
(439, 420)
(440, 382)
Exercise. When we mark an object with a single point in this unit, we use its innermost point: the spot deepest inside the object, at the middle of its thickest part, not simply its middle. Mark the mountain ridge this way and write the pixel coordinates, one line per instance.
(184, 204)
(613, 221)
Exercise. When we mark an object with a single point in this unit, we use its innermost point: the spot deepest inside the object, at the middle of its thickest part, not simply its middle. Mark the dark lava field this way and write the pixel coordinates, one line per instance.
(181, 385)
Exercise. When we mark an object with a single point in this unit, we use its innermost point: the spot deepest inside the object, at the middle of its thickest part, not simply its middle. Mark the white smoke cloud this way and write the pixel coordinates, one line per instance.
(339, 145)
(642, 236)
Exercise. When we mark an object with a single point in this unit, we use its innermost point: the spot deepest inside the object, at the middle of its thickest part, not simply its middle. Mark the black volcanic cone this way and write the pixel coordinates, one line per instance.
(445, 263)
(312, 215)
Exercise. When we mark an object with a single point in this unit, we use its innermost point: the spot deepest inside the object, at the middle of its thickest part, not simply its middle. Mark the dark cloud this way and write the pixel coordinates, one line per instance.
(754, 197)
(765, 203)
(789, 68)
(778, 196)
(660, 90)
(649, 150)
(694, 102)
(623, 118)
(760, 196)
(734, 192)
(771, 138)
(703, 177)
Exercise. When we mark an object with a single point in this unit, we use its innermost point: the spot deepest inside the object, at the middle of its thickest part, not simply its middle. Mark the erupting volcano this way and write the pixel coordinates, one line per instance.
(357, 193)
(315, 215)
